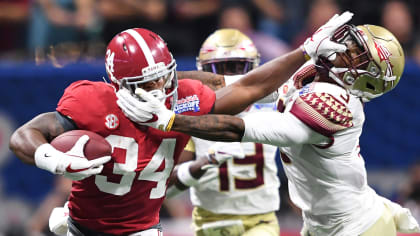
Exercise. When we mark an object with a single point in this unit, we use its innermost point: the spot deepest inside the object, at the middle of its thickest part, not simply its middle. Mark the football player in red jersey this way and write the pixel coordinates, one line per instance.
(123, 195)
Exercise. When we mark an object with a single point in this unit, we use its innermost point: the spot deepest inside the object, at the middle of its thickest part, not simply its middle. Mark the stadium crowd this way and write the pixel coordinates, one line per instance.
(72, 30)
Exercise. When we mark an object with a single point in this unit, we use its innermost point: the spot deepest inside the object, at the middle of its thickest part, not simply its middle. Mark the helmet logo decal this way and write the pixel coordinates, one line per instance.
(208, 49)
(109, 64)
(246, 46)
(111, 121)
(384, 55)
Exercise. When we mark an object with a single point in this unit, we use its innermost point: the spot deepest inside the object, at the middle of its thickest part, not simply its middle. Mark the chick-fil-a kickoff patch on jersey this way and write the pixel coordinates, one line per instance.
(189, 103)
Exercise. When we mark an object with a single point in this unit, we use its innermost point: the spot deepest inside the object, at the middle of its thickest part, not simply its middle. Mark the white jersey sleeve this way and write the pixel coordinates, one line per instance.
(280, 129)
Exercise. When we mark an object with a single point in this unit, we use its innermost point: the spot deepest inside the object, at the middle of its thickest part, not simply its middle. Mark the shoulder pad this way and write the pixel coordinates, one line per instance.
(322, 112)
(85, 101)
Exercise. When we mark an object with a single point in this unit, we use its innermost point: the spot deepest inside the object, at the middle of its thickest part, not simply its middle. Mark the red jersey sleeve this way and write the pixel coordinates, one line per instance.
(85, 102)
(194, 98)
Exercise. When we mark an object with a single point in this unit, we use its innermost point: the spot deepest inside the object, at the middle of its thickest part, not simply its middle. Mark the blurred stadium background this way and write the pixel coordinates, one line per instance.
(47, 44)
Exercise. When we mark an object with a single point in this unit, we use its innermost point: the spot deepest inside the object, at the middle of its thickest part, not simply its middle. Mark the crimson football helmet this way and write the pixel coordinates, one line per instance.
(137, 56)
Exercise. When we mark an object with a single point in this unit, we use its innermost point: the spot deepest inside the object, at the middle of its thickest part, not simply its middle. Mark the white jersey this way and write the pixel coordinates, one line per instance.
(240, 186)
(318, 135)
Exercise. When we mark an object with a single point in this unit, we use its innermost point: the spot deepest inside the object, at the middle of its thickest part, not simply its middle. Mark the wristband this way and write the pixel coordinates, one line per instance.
(170, 123)
(305, 54)
(184, 175)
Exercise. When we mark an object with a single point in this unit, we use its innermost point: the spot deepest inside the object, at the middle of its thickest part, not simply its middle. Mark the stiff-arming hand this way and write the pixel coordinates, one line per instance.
(220, 152)
(132, 107)
(320, 44)
(71, 164)
(151, 112)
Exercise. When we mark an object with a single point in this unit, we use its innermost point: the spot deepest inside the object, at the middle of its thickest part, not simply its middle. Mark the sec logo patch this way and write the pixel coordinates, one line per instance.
(111, 121)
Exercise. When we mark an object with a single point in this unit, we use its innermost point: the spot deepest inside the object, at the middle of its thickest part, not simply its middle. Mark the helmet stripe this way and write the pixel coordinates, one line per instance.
(143, 45)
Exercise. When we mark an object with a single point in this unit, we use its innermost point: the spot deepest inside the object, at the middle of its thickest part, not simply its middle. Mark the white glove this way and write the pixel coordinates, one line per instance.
(220, 152)
(151, 112)
(58, 220)
(320, 44)
(71, 164)
(132, 107)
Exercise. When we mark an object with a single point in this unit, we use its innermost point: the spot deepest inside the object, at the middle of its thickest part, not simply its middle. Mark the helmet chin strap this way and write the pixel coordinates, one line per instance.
(365, 96)
(332, 74)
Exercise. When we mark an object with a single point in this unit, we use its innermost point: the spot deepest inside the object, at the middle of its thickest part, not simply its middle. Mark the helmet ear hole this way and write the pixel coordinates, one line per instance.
(370, 86)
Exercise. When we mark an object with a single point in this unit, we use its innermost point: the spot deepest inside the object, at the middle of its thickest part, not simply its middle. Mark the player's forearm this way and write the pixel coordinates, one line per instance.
(25, 140)
(195, 169)
(211, 127)
(24, 143)
(274, 73)
(214, 81)
(257, 83)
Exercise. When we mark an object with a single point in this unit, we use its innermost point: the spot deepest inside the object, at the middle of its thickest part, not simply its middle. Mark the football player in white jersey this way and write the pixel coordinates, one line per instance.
(318, 134)
(239, 196)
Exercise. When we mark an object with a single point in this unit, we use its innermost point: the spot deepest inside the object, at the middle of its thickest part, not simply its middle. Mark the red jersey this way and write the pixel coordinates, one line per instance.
(127, 195)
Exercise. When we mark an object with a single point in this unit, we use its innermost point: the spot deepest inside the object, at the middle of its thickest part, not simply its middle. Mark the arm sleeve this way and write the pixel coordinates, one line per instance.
(279, 129)
(66, 122)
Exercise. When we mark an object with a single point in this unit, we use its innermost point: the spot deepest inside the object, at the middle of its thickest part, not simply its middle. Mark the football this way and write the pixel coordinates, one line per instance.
(96, 146)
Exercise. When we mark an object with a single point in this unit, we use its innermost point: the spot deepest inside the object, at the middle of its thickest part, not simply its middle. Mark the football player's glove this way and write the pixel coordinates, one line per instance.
(320, 44)
(151, 112)
(132, 107)
(220, 152)
(72, 164)
(58, 220)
